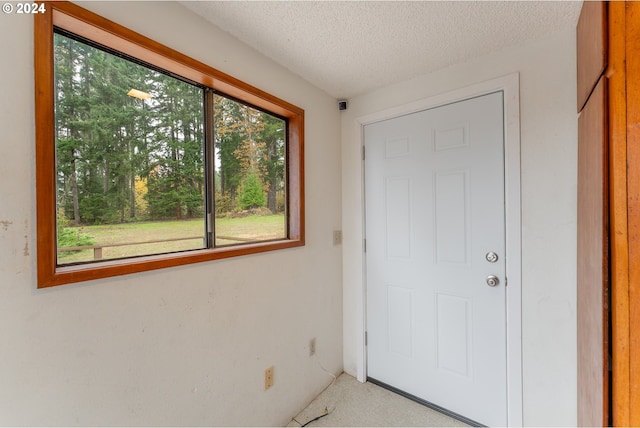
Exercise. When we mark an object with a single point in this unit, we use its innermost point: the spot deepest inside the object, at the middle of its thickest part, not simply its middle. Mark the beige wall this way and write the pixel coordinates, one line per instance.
(180, 346)
(548, 190)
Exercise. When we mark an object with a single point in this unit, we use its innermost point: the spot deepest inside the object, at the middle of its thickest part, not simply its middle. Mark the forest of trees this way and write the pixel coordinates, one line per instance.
(128, 158)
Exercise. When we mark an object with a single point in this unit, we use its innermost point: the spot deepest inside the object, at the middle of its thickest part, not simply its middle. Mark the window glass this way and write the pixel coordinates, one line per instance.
(129, 157)
(250, 191)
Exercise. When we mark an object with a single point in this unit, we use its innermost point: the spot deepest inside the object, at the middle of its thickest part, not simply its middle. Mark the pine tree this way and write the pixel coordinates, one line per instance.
(251, 194)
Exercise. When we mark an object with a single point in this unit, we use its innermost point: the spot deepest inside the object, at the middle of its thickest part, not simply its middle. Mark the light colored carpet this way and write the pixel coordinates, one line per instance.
(354, 404)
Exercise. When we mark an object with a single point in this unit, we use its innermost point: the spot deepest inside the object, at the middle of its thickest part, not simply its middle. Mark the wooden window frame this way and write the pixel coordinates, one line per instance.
(86, 24)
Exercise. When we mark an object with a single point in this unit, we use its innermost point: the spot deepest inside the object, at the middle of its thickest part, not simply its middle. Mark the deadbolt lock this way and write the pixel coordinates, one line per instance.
(491, 257)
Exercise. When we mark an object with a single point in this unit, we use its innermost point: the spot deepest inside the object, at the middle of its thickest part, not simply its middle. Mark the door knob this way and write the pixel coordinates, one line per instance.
(492, 281)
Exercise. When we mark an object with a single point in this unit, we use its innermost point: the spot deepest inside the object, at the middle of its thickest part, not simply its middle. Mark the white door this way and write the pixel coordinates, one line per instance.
(434, 210)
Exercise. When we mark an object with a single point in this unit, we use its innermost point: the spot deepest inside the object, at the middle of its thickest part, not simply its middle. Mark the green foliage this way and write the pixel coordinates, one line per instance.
(70, 236)
(273, 160)
(251, 194)
(93, 209)
(248, 141)
(73, 237)
(225, 204)
(280, 203)
(61, 219)
(122, 159)
(107, 141)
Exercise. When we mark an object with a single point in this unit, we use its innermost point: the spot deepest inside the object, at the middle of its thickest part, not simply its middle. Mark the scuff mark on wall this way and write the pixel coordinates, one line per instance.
(5, 224)
(26, 239)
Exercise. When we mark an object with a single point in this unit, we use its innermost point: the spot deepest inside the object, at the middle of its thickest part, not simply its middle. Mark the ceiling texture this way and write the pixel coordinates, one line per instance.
(348, 48)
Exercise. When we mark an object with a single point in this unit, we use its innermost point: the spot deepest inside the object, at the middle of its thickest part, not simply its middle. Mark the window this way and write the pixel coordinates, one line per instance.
(148, 159)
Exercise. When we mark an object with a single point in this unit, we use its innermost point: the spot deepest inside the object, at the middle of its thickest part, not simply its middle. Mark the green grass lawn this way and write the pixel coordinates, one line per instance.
(251, 228)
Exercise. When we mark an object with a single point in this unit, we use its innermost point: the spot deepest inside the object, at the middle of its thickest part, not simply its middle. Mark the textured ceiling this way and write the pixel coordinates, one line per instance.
(350, 47)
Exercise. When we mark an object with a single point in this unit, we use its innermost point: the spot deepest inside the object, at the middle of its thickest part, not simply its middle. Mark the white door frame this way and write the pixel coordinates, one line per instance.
(511, 87)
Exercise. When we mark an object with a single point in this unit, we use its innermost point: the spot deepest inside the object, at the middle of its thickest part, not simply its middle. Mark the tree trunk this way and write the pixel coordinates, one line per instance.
(132, 197)
(271, 197)
(74, 190)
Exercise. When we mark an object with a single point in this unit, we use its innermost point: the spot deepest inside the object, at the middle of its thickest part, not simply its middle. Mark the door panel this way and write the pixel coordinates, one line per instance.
(434, 208)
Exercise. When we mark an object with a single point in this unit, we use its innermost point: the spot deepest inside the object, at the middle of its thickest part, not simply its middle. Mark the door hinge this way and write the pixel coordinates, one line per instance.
(366, 338)
(364, 245)
(363, 152)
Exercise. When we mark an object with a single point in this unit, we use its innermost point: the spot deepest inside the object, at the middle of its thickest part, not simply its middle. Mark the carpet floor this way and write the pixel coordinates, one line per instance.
(349, 403)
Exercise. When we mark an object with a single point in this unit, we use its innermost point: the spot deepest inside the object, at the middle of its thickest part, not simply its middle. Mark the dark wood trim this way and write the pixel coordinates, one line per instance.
(295, 178)
(45, 146)
(632, 39)
(616, 73)
(592, 48)
(623, 101)
(72, 18)
(71, 274)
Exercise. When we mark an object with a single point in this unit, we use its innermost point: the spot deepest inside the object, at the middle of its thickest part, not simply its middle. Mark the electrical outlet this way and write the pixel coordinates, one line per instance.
(312, 347)
(268, 378)
(337, 237)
